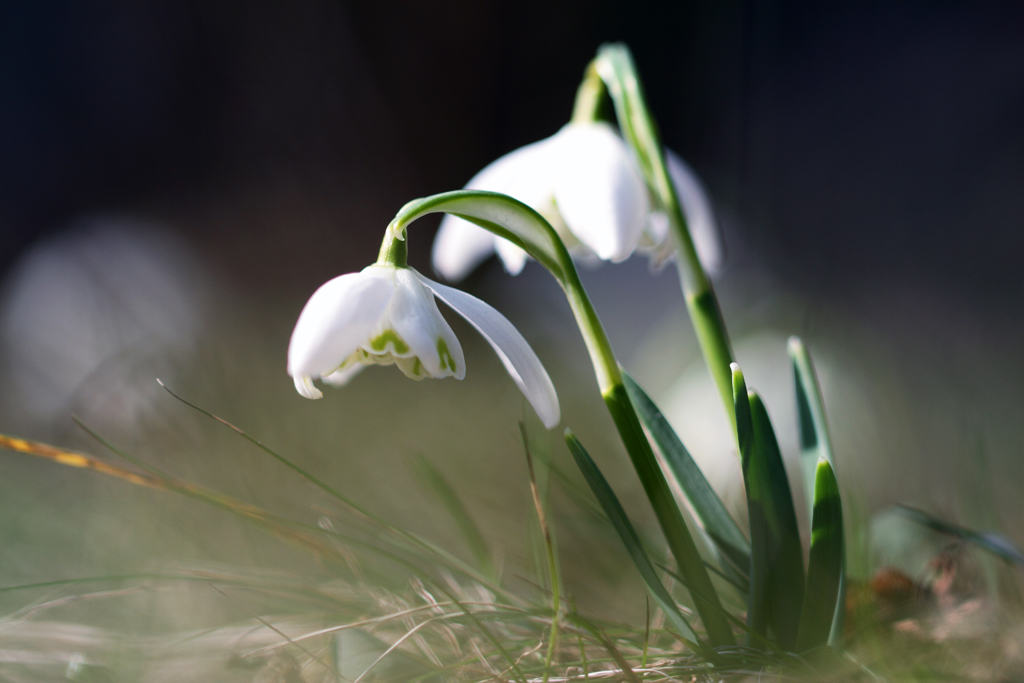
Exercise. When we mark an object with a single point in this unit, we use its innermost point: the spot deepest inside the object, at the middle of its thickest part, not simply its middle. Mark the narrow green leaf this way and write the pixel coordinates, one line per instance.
(708, 507)
(776, 573)
(815, 443)
(453, 503)
(814, 437)
(785, 554)
(757, 602)
(991, 541)
(825, 570)
(610, 503)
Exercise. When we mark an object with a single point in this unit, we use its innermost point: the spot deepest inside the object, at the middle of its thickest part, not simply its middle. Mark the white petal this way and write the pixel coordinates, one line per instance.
(524, 174)
(512, 257)
(459, 247)
(517, 356)
(414, 316)
(304, 385)
(340, 378)
(337, 319)
(598, 189)
(700, 216)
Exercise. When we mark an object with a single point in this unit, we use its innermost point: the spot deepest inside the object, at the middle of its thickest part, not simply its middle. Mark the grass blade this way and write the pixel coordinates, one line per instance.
(610, 503)
(991, 541)
(825, 569)
(707, 506)
(452, 502)
(777, 572)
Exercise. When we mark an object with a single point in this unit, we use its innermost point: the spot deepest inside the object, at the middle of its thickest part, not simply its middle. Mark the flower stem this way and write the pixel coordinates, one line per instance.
(394, 251)
(615, 65)
(513, 220)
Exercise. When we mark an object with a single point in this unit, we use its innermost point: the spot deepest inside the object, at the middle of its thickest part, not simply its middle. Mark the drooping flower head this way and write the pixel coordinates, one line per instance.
(585, 182)
(386, 314)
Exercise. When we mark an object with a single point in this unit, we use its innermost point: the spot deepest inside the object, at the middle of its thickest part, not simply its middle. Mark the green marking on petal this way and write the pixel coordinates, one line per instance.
(447, 362)
(381, 341)
(417, 367)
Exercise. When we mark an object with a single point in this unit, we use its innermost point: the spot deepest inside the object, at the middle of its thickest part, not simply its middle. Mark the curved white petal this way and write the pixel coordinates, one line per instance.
(515, 353)
(340, 378)
(336, 320)
(524, 174)
(415, 318)
(304, 385)
(459, 247)
(598, 189)
(699, 214)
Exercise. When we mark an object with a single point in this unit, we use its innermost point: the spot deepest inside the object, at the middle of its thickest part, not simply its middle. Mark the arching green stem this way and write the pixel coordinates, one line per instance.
(513, 220)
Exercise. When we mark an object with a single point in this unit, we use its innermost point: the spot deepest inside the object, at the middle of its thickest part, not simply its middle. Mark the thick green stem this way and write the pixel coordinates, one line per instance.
(680, 541)
(394, 251)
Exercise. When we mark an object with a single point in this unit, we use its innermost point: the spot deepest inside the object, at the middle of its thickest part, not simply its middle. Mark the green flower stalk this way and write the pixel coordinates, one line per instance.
(525, 228)
(613, 68)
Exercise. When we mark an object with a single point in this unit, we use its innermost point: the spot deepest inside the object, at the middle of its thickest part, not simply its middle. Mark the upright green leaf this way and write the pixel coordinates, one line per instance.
(785, 554)
(708, 507)
(777, 572)
(815, 443)
(610, 503)
(814, 438)
(825, 570)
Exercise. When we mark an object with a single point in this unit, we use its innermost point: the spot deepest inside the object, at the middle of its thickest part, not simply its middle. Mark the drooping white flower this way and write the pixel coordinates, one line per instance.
(386, 314)
(585, 182)
(582, 180)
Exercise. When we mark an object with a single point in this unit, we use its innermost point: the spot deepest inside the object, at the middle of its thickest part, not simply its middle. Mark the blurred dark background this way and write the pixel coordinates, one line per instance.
(850, 140)
(866, 159)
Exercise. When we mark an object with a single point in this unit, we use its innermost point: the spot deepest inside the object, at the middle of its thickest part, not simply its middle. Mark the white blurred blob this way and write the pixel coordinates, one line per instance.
(88, 318)
(694, 408)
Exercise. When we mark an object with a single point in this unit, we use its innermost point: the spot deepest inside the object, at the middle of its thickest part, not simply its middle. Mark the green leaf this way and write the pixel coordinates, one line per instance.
(814, 438)
(825, 570)
(991, 541)
(610, 503)
(708, 507)
(777, 572)
(815, 443)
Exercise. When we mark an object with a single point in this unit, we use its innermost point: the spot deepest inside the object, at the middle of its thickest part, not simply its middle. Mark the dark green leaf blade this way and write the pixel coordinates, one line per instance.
(785, 586)
(610, 503)
(825, 570)
(708, 507)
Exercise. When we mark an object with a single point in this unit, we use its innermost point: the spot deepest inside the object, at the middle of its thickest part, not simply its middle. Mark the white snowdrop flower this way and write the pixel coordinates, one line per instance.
(582, 180)
(386, 314)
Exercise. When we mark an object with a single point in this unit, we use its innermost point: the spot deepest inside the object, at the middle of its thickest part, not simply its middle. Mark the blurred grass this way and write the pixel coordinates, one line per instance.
(363, 440)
